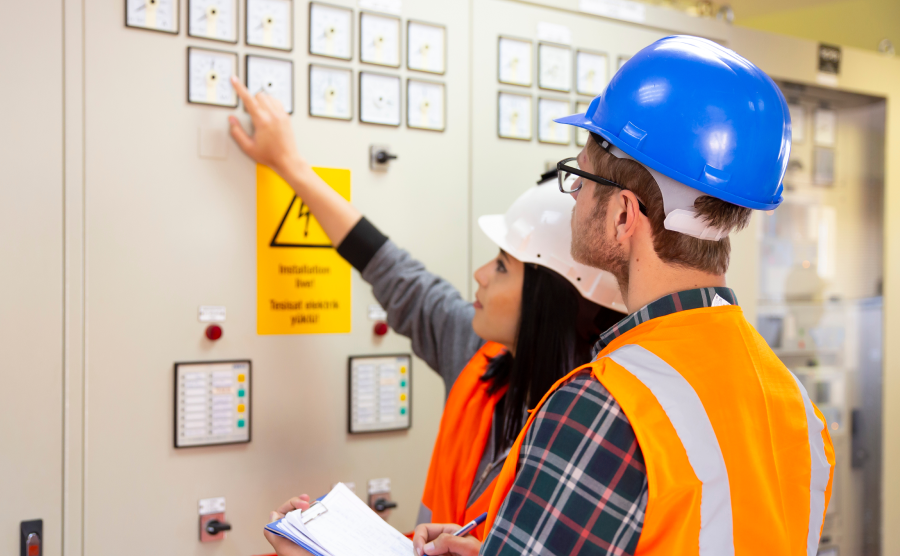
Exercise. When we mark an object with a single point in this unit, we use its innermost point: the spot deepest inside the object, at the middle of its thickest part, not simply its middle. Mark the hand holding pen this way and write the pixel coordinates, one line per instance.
(447, 538)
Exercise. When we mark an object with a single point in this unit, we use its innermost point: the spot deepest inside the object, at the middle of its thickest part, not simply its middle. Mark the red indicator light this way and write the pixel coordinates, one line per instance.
(213, 331)
(381, 328)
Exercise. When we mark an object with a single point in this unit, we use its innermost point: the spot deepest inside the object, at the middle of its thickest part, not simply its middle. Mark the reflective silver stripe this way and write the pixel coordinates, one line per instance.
(819, 472)
(688, 416)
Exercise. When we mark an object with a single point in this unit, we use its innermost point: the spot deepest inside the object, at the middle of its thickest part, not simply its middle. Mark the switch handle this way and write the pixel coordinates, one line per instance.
(214, 527)
(381, 505)
(384, 156)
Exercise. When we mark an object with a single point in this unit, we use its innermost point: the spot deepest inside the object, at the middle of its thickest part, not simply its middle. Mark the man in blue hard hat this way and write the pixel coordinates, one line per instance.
(686, 434)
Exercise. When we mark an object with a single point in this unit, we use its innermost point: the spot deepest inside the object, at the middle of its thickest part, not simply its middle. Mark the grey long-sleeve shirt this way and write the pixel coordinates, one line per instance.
(428, 310)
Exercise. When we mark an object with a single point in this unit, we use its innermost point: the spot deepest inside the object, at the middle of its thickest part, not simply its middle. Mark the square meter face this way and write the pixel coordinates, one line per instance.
(212, 403)
(380, 390)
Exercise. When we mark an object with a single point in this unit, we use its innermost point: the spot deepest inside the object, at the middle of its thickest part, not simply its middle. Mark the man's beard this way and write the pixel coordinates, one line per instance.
(593, 247)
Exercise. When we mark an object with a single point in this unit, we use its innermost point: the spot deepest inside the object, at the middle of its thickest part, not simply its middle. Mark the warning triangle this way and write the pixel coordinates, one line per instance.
(298, 228)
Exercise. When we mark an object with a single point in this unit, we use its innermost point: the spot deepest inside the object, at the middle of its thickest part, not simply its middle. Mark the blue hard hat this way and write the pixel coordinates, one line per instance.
(700, 114)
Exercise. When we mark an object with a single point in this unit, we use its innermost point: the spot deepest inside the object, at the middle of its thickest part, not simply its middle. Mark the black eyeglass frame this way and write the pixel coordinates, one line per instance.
(562, 170)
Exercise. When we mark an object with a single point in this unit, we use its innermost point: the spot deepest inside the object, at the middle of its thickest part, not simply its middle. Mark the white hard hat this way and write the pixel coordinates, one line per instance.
(537, 229)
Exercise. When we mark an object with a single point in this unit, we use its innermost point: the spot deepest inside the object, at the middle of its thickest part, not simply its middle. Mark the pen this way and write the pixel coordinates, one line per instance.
(471, 525)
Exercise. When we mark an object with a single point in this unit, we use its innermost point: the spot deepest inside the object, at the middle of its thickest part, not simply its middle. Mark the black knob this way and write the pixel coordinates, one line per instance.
(381, 504)
(383, 156)
(214, 527)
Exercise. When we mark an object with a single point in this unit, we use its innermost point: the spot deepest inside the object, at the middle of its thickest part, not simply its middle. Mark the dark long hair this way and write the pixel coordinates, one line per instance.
(557, 329)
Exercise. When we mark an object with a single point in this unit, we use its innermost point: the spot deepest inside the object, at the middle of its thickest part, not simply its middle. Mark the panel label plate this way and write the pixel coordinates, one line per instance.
(212, 403)
(380, 393)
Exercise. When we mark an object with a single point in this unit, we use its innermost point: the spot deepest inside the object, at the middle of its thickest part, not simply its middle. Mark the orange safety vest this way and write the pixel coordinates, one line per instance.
(739, 461)
(464, 433)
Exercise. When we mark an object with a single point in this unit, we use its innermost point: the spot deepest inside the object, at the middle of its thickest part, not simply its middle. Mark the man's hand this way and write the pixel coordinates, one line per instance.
(296, 503)
(284, 547)
(437, 538)
(272, 142)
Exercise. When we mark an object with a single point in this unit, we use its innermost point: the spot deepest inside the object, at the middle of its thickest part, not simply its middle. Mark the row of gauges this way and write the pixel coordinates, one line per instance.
(514, 117)
(330, 89)
(269, 24)
(554, 67)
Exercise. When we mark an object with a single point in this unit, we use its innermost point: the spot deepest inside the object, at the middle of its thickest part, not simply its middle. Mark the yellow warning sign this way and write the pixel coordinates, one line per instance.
(302, 284)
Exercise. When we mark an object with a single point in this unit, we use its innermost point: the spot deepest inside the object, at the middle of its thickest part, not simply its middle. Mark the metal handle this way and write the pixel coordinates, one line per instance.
(381, 505)
(384, 156)
(214, 527)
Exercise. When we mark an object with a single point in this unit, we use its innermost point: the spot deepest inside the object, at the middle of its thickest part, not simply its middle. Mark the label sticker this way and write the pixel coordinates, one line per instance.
(302, 284)
(212, 313)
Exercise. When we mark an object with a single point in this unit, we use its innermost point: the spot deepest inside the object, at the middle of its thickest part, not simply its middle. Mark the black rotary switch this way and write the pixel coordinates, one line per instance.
(214, 527)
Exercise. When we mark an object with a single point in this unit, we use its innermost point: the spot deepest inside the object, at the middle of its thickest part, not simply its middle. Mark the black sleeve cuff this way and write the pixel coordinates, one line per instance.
(361, 244)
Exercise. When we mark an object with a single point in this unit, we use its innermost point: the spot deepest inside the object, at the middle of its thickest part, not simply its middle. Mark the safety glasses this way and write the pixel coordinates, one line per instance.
(568, 173)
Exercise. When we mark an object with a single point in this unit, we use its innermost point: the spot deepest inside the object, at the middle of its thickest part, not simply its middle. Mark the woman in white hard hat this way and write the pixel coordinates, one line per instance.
(536, 316)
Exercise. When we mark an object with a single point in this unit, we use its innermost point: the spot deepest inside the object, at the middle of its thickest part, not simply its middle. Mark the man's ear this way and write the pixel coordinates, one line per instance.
(628, 215)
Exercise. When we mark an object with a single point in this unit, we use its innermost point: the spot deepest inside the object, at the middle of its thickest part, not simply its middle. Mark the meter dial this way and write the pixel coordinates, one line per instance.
(379, 99)
(425, 105)
(213, 19)
(548, 130)
(514, 116)
(274, 76)
(330, 92)
(581, 135)
(425, 47)
(270, 23)
(554, 67)
(158, 15)
(209, 77)
(330, 31)
(379, 39)
(514, 61)
(591, 69)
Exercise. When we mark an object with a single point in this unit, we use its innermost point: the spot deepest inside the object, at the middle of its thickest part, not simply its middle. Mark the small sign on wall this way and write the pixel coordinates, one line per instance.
(302, 284)
(830, 59)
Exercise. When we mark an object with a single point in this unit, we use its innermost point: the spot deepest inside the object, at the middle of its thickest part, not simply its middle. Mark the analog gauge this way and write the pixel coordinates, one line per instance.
(425, 47)
(554, 67)
(158, 15)
(514, 116)
(213, 19)
(209, 77)
(379, 99)
(592, 69)
(270, 23)
(330, 31)
(329, 92)
(548, 130)
(425, 105)
(274, 76)
(379, 39)
(514, 61)
(581, 135)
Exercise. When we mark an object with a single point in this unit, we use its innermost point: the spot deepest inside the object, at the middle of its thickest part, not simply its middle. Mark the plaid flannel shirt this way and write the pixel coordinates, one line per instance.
(581, 484)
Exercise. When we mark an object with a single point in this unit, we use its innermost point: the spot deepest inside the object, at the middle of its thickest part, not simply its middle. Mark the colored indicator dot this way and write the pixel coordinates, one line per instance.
(241, 423)
(242, 377)
(402, 384)
(241, 393)
(402, 370)
(241, 408)
(402, 397)
(402, 411)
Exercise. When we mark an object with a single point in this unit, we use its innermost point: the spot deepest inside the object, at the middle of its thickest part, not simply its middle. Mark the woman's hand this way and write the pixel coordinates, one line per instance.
(272, 142)
(437, 538)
